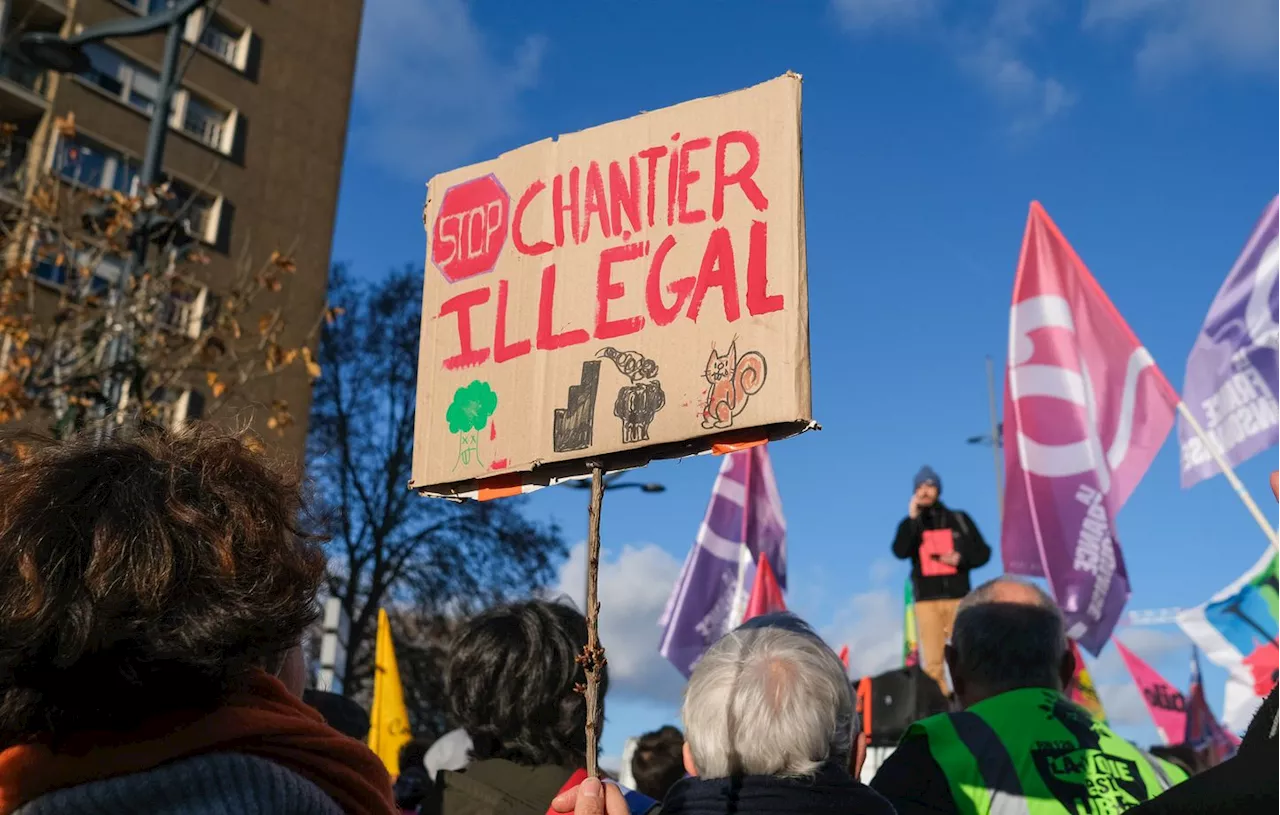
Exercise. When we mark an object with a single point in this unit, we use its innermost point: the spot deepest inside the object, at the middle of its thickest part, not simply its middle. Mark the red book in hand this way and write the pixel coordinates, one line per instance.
(936, 542)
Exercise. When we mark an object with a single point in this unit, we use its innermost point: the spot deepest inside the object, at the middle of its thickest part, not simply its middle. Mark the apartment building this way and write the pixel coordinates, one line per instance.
(256, 139)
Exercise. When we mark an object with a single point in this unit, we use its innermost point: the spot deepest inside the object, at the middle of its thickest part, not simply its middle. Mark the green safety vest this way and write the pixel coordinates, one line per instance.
(1033, 752)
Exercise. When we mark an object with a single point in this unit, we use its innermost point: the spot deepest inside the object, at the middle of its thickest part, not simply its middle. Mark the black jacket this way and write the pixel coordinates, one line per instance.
(832, 790)
(411, 787)
(495, 787)
(973, 550)
(499, 787)
(1246, 782)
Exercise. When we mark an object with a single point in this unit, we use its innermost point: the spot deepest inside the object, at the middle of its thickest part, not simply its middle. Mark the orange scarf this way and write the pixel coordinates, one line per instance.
(263, 720)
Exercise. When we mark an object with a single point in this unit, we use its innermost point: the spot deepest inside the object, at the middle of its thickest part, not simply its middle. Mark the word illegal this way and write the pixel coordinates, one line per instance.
(623, 207)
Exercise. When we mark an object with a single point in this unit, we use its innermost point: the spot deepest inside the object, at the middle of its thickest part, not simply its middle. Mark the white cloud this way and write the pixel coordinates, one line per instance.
(861, 15)
(1153, 644)
(871, 625)
(611, 764)
(883, 568)
(1032, 98)
(634, 585)
(1123, 703)
(431, 89)
(990, 47)
(1120, 695)
(1178, 36)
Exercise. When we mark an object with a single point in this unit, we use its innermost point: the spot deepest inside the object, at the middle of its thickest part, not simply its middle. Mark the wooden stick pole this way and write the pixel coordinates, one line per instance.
(592, 658)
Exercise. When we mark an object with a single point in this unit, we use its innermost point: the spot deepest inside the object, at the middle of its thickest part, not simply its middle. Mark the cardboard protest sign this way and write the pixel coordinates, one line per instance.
(632, 291)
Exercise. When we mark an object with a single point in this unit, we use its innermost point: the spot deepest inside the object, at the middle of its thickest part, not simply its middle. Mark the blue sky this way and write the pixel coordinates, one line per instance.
(1146, 127)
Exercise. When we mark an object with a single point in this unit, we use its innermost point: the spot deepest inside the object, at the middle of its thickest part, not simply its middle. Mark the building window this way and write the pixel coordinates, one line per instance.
(206, 122)
(89, 164)
(188, 311)
(106, 272)
(122, 78)
(220, 37)
(138, 87)
(174, 407)
(199, 211)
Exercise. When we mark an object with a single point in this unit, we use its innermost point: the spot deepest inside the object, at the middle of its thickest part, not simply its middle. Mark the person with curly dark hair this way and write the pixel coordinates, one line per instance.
(511, 683)
(153, 594)
(658, 762)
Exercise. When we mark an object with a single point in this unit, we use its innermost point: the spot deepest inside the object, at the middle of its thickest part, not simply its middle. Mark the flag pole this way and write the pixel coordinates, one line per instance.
(1223, 465)
(741, 591)
(592, 657)
(739, 607)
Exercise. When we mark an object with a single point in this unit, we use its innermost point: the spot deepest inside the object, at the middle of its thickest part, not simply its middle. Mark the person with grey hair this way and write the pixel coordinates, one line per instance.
(1019, 746)
(770, 727)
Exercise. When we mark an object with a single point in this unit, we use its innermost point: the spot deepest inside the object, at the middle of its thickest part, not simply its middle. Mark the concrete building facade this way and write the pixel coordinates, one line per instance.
(256, 137)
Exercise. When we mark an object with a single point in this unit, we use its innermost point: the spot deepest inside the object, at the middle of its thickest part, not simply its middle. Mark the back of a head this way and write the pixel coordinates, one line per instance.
(142, 574)
(1008, 634)
(769, 698)
(658, 762)
(511, 683)
(342, 714)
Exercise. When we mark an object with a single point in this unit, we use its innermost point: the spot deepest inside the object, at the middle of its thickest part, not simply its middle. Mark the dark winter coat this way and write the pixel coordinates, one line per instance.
(973, 550)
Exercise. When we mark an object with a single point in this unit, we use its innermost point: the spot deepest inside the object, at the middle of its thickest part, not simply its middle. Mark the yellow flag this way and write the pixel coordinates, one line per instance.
(1082, 690)
(389, 720)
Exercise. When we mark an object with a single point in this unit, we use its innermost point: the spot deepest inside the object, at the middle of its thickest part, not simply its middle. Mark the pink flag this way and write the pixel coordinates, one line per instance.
(1085, 410)
(1167, 704)
(844, 656)
(766, 594)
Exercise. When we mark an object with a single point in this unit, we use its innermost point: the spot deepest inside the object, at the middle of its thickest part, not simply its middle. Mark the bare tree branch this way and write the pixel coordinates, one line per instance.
(180, 336)
(425, 560)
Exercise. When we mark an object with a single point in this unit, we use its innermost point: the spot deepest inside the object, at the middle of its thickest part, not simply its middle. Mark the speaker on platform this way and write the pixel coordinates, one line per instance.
(895, 700)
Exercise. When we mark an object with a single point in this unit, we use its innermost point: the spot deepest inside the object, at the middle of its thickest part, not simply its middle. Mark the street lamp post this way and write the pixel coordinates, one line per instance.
(66, 55)
(995, 439)
(611, 482)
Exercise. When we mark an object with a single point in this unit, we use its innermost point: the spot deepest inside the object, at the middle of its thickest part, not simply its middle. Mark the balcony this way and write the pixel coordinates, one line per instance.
(35, 15)
(22, 89)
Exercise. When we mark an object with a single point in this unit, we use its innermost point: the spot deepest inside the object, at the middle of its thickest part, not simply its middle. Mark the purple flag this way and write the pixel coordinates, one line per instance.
(1085, 411)
(1230, 384)
(744, 520)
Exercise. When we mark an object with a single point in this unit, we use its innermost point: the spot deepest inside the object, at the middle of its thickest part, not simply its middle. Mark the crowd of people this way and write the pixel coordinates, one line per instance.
(155, 589)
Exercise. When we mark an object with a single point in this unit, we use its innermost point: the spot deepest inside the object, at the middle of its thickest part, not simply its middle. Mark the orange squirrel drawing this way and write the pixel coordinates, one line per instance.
(733, 379)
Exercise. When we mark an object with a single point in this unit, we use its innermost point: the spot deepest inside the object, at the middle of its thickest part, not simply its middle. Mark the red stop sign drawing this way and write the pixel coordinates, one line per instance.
(470, 228)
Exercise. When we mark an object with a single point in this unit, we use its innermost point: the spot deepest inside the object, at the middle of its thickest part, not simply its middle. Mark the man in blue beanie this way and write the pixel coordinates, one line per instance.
(943, 545)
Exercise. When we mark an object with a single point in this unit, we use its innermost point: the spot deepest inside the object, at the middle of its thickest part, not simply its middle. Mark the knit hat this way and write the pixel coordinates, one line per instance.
(927, 475)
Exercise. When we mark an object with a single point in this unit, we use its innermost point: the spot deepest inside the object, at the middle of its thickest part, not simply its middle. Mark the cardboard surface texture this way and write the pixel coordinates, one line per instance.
(633, 291)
